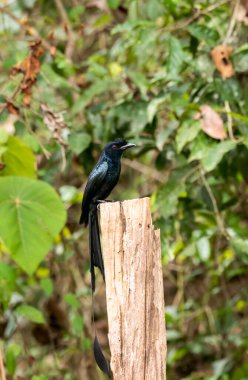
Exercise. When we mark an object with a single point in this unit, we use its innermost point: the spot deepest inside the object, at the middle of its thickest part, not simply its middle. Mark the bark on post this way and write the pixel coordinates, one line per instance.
(134, 290)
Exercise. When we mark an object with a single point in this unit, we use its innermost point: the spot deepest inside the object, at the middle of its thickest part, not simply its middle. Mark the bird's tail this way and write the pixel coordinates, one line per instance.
(96, 259)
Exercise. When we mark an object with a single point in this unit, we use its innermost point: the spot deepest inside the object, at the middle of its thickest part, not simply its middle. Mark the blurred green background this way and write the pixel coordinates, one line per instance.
(74, 75)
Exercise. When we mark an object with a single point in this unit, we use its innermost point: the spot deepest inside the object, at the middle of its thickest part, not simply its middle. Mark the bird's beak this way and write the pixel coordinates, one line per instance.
(127, 146)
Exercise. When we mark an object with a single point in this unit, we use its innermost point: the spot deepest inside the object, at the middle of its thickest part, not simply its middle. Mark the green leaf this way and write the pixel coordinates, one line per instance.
(204, 34)
(7, 274)
(186, 133)
(241, 62)
(47, 286)
(31, 216)
(7, 282)
(79, 142)
(31, 141)
(214, 155)
(241, 247)
(154, 9)
(176, 56)
(71, 300)
(40, 377)
(30, 313)
(168, 197)
(163, 135)
(203, 247)
(12, 353)
(153, 107)
(3, 136)
(131, 25)
(55, 79)
(18, 158)
(95, 89)
(77, 323)
(219, 367)
(139, 80)
(113, 4)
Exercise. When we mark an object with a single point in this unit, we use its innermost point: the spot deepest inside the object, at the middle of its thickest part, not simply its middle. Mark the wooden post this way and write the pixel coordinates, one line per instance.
(134, 290)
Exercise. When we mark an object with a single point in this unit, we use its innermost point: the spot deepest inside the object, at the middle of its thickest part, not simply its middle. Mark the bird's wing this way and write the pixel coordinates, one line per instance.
(95, 180)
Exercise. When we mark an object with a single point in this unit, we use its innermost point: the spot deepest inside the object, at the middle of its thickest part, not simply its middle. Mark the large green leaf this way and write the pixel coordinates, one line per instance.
(7, 282)
(31, 215)
(203, 33)
(176, 56)
(214, 155)
(168, 197)
(79, 142)
(18, 158)
(97, 88)
(186, 133)
(30, 313)
(113, 4)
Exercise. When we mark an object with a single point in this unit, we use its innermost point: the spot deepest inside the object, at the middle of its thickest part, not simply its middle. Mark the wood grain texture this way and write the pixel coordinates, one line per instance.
(134, 290)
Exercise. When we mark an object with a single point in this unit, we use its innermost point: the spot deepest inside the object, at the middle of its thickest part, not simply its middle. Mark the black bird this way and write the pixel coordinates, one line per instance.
(101, 182)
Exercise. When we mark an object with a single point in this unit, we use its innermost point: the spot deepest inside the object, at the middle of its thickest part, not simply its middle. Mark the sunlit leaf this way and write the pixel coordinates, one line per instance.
(204, 33)
(79, 142)
(214, 155)
(203, 247)
(186, 133)
(113, 4)
(18, 159)
(176, 56)
(31, 215)
(30, 313)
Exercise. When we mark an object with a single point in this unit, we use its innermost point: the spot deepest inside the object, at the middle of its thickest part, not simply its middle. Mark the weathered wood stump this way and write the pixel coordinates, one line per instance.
(134, 290)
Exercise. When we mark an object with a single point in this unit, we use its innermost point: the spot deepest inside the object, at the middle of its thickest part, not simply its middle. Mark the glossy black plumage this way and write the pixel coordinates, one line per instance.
(101, 182)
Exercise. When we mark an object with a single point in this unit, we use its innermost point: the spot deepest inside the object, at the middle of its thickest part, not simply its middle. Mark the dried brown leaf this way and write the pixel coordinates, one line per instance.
(211, 123)
(221, 57)
(29, 67)
(51, 36)
(26, 100)
(17, 69)
(54, 122)
(52, 50)
(65, 28)
(14, 110)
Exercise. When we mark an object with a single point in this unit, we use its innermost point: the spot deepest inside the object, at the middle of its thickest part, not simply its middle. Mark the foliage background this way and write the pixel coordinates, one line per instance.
(139, 70)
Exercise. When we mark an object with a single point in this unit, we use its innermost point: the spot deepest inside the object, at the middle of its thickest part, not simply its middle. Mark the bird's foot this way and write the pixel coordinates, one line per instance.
(103, 201)
(100, 201)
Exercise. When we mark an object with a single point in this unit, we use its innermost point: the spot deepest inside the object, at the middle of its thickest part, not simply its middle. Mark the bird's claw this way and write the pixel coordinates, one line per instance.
(100, 201)
(103, 201)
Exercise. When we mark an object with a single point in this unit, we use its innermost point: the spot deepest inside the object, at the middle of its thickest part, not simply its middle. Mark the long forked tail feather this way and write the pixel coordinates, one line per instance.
(96, 259)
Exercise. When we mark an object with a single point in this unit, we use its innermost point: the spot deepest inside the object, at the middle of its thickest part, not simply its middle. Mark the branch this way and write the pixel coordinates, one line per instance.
(70, 43)
(6, 11)
(198, 14)
(229, 120)
(232, 22)
(219, 219)
(146, 170)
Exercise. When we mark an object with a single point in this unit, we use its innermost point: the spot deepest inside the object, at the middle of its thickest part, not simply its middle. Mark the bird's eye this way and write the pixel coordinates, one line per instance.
(114, 147)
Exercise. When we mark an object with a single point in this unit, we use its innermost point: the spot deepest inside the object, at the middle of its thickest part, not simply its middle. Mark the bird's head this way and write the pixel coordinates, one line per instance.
(117, 147)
